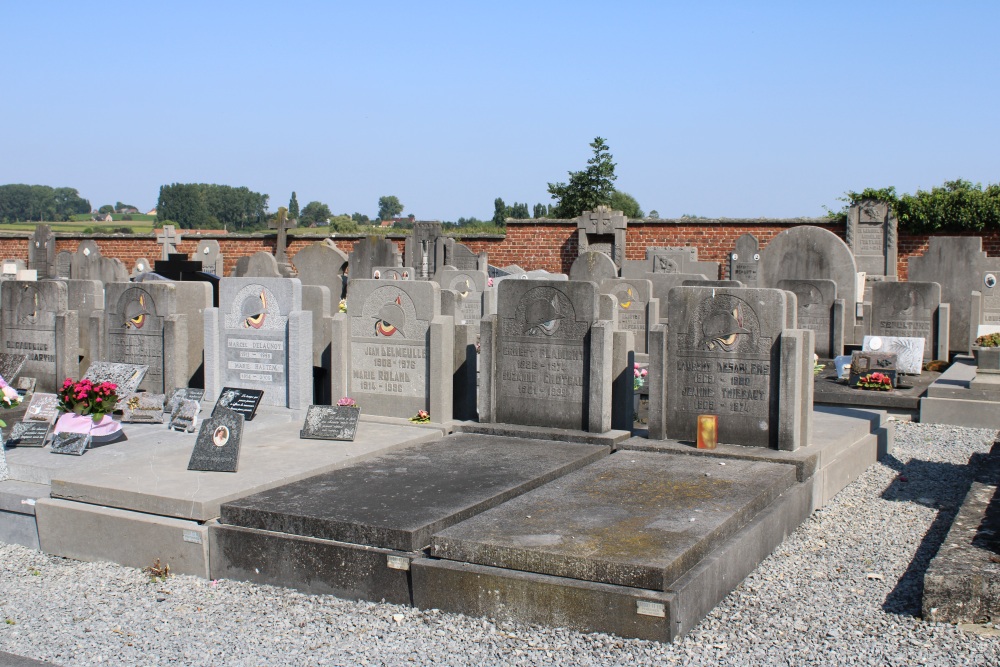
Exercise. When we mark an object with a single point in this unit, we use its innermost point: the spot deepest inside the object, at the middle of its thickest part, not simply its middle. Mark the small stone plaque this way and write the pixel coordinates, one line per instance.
(25, 385)
(10, 365)
(143, 407)
(218, 445)
(42, 408)
(866, 363)
(330, 422)
(243, 401)
(28, 434)
(127, 377)
(909, 351)
(184, 394)
(70, 443)
(184, 415)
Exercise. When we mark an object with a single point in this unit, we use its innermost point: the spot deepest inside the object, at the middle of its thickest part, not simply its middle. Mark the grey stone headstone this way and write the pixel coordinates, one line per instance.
(142, 408)
(42, 407)
(258, 265)
(88, 264)
(370, 252)
(398, 347)
(218, 446)
(86, 297)
(135, 328)
(330, 422)
(664, 282)
(469, 287)
(814, 300)
(35, 321)
(323, 264)
(907, 309)
(42, 252)
(64, 264)
(260, 339)
(128, 377)
(542, 351)
(959, 265)
(595, 266)
(11, 365)
(871, 235)
(70, 443)
(210, 256)
(725, 357)
(603, 230)
(633, 297)
(28, 434)
(142, 266)
(909, 351)
(168, 240)
(421, 249)
(183, 415)
(989, 300)
(392, 273)
(744, 261)
(461, 257)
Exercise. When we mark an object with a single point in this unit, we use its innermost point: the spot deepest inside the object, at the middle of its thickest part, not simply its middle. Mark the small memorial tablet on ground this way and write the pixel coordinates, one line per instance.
(218, 446)
(870, 370)
(243, 401)
(330, 422)
(184, 394)
(70, 443)
(28, 434)
(42, 408)
(24, 386)
(11, 365)
(127, 377)
(143, 408)
(184, 415)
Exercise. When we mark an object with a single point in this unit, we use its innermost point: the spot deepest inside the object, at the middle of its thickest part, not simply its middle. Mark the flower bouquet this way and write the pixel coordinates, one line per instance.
(9, 398)
(639, 379)
(88, 406)
(876, 381)
(348, 402)
(422, 417)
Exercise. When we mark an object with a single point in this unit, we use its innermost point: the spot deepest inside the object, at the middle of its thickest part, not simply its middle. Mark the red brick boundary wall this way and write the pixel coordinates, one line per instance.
(531, 244)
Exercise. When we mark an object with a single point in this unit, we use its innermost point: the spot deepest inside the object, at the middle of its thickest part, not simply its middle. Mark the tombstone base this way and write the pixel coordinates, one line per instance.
(17, 512)
(609, 438)
(962, 396)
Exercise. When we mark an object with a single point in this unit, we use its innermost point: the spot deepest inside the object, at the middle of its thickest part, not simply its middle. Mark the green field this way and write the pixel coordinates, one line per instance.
(137, 227)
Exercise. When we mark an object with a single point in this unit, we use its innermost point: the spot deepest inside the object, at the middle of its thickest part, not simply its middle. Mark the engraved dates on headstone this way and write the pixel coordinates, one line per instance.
(42, 408)
(389, 346)
(330, 422)
(28, 312)
(242, 401)
(135, 335)
(218, 446)
(256, 339)
(28, 434)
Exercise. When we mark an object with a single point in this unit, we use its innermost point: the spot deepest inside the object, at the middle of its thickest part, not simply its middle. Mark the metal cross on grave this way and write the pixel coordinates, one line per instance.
(281, 224)
(169, 240)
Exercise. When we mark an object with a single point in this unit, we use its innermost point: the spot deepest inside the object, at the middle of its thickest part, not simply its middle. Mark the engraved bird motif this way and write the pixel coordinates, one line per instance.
(136, 313)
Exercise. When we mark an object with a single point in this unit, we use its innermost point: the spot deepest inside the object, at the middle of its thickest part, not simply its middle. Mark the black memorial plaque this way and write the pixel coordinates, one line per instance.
(243, 401)
(218, 445)
(330, 422)
(28, 434)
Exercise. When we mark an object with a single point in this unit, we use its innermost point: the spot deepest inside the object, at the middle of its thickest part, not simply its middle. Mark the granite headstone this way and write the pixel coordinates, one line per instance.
(218, 446)
(330, 422)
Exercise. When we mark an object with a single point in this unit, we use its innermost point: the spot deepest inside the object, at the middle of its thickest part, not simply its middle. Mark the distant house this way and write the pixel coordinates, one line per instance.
(153, 212)
(106, 217)
(129, 210)
(389, 223)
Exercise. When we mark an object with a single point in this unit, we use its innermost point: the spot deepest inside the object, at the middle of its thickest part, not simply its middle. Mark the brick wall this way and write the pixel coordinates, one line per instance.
(531, 244)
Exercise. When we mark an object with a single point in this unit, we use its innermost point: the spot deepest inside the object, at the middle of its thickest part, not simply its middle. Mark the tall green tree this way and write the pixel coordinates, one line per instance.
(293, 207)
(500, 212)
(314, 213)
(539, 211)
(209, 206)
(587, 189)
(389, 207)
(626, 203)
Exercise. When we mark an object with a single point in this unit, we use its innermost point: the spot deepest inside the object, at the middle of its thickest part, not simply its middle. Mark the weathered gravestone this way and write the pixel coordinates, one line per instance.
(142, 408)
(42, 252)
(370, 252)
(11, 365)
(168, 240)
(809, 253)
(461, 257)
(330, 422)
(638, 309)
(734, 353)
(396, 349)
(959, 265)
(64, 264)
(912, 309)
(88, 264)
(603, 230)
(141, 267)
(871, 236)
(210, 255)
(258, 265)
(127, 377)
(547, 357)
(682, 260)
(664, 282)
(260, 338)
(421, 249)
(86, 297)
(323, 264)
(744, 261)
(392, 273)
(35, 320)
(909, 351)
(820, 311)
(594, 266)
(218, 446)
(470, 290)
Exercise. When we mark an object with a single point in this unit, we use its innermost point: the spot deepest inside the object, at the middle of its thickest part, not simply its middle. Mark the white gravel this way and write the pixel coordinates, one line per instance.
(843, 589)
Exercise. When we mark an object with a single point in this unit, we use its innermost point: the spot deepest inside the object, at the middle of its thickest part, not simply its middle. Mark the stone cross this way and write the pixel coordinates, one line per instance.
(169, 240)
(281, 224)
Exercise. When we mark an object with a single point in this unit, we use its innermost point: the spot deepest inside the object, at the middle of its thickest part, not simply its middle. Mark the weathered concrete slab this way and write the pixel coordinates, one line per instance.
(636, 519)
(956, 397)
(608, 438)
(397, 500)
(829, 390)
(157, 481)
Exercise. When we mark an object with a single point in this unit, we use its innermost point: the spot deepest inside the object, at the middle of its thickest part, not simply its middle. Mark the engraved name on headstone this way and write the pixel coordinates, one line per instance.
(814, 299)
(28, 316)
(42, 407)
(907, 309)
(182, 394)
(135, 328)
(142, 407)
(744, 260)
(633, 297)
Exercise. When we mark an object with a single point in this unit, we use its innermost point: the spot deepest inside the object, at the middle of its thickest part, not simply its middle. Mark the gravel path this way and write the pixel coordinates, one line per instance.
(843, 589)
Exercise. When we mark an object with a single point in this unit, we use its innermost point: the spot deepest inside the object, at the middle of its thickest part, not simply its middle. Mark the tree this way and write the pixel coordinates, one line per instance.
(389, 207)
(360, 218)
(518, 211)
(208, 206)
(499, 212)
(293, 208)
(654, 214)
(587, 189)
(314, 213)
(539, 211)
(106, 209)
(123, 208)
(626, 203)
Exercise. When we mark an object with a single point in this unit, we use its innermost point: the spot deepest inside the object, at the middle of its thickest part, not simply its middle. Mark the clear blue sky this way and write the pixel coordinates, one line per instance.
(717, 108)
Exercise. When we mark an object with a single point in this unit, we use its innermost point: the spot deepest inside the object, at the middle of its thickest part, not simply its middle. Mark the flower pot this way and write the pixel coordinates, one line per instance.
(70, 422)
(987, 358)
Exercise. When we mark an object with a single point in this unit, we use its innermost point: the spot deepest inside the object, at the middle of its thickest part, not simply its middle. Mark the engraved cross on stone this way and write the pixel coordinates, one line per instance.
(169, 240)
(281, 224)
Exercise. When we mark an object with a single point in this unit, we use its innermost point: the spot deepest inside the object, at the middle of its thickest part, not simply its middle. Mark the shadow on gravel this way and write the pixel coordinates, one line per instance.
(940, 486)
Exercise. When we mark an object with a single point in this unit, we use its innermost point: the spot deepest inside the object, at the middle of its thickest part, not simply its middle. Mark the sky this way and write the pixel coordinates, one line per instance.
(717, 109)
